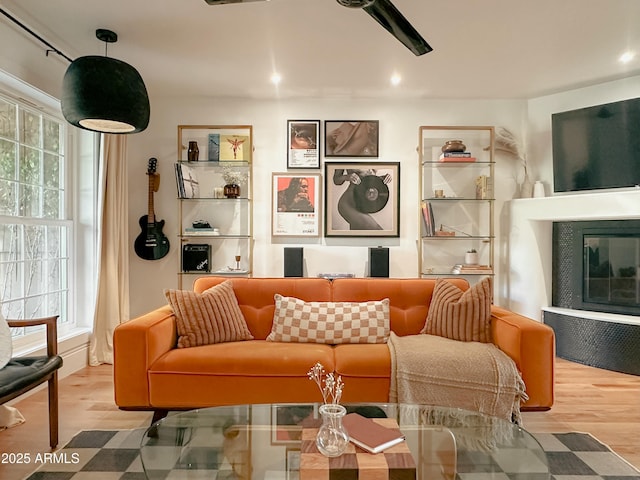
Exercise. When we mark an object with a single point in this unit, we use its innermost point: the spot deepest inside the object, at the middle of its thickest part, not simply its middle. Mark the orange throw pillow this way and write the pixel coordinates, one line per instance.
(458, 315)
(212, 316)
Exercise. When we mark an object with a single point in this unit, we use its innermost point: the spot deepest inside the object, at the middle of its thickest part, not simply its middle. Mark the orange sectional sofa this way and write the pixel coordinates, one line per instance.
(152, 374)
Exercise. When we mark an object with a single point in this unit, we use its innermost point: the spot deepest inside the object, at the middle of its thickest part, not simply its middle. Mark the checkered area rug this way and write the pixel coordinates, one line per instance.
(114, 455)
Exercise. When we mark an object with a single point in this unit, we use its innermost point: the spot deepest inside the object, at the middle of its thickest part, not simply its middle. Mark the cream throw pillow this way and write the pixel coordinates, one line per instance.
(295, 320)
(459, 315)
(6, 347)
(212, 316)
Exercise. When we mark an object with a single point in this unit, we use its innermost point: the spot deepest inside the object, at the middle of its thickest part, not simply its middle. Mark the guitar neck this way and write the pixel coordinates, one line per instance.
(151, 217)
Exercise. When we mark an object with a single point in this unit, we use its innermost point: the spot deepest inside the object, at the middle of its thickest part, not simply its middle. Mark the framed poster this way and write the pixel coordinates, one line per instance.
(351, 138)
(362, 199)
(295, 205)
(303, 144)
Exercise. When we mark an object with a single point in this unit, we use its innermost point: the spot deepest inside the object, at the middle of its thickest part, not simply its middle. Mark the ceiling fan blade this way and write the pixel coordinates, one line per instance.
(222, 2)
(387, 15)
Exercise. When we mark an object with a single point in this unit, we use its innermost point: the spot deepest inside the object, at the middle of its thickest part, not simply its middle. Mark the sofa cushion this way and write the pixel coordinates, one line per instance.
(209, 317)
(460, 315)
(295, 320)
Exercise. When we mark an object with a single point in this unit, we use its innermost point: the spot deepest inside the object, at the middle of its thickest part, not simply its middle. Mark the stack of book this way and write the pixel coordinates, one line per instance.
(464, 269)
(456, 157)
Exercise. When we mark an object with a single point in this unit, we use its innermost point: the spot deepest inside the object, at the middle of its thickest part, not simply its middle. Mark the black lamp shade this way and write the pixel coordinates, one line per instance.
(104, 94)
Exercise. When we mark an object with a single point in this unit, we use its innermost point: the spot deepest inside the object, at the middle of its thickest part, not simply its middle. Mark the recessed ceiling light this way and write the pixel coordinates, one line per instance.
(396, 79)
(275, 78)
(626, 57)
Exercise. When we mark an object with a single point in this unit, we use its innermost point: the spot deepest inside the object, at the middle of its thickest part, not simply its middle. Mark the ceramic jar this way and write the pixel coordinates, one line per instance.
(231, 190)
(193, 152)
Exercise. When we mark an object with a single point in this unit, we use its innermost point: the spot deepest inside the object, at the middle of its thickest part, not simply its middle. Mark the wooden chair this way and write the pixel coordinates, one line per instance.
(22, 374)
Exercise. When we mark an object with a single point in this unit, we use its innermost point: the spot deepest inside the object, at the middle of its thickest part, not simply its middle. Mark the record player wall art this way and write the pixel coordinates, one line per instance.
(362, 199)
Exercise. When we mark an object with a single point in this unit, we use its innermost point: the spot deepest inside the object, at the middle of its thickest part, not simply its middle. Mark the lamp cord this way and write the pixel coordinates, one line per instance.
(35, 35)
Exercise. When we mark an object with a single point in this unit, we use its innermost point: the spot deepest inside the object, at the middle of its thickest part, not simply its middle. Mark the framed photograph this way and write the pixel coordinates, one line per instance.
(286, 422)
(362, 199)
(303, 143)
(351, 138)
(296, 203)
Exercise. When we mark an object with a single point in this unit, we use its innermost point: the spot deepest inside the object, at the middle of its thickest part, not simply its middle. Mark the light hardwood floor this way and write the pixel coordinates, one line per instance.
(603, 403)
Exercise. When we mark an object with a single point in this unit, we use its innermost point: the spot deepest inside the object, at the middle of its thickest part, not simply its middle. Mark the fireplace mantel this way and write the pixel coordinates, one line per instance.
(528, 261)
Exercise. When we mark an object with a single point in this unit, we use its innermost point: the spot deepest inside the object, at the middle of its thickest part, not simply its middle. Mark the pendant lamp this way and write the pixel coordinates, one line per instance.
(104, 94)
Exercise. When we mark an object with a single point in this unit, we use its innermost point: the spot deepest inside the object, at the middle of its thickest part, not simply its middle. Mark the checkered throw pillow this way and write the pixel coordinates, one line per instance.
(295, 320)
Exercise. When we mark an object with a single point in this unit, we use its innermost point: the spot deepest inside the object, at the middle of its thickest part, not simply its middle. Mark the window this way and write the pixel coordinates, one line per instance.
(35, 225)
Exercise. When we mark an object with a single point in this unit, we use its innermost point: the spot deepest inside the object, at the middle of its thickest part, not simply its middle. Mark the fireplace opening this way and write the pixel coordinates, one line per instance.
(610, 270)
(596, 266)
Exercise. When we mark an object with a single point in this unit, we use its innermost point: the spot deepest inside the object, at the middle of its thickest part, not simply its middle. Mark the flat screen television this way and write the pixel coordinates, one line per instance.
(597, 147)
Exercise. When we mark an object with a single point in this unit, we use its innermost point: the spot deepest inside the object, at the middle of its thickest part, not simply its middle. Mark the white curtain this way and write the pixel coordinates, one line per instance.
(112, 302)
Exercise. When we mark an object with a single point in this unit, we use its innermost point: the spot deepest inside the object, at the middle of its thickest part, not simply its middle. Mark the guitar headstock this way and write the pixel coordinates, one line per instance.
(151, 168)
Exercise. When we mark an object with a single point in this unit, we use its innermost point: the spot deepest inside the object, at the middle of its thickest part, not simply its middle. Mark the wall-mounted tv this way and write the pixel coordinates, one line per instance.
(597, 147)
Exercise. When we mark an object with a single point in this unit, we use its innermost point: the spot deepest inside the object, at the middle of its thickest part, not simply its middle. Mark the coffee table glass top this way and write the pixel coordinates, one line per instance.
(262, 442)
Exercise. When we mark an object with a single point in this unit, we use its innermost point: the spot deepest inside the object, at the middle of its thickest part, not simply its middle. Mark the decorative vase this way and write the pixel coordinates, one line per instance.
(526, 188)
(332, 439)
(453, 146)
(538, 189)
(232, 190)
(193, 152)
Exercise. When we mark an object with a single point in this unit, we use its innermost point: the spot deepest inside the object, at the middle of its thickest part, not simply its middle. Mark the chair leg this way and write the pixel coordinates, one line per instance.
(53, 410)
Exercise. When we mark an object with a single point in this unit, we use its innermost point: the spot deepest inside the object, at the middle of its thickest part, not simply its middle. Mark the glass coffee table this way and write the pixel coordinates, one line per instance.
(263, 442)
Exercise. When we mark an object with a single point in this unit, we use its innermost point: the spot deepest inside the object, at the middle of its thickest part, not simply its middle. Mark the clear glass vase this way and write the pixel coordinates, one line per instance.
(332, 439)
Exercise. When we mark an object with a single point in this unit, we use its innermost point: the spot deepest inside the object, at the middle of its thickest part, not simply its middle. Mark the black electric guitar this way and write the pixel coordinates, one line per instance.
(151, 244)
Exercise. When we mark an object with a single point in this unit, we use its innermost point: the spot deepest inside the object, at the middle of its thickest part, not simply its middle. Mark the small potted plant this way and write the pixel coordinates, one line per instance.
(471, 257)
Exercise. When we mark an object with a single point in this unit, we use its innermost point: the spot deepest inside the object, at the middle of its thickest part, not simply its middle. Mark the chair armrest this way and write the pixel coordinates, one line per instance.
(52, 330)
(531, 345)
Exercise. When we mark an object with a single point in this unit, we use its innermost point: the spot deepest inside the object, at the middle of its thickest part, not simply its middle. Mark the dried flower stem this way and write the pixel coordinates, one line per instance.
(332, 389)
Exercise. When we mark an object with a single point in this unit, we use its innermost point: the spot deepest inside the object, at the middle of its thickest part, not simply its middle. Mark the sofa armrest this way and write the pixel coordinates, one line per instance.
(137, 344)
(531, 345)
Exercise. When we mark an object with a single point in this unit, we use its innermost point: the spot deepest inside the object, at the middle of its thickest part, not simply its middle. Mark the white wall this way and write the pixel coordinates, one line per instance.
(399, 122)
(529, 252)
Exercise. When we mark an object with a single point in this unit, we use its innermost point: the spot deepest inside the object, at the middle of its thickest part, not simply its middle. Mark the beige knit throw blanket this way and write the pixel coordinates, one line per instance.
(477, 377)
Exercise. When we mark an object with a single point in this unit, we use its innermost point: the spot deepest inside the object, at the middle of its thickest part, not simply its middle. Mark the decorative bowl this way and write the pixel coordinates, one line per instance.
(453, 146)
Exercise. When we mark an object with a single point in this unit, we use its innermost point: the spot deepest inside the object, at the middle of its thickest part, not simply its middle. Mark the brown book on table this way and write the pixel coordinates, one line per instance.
(369, 435)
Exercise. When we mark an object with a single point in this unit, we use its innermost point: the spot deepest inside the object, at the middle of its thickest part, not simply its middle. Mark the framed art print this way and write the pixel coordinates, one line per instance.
(351, 138)
(287, 421)
(295, 208)
(303, 144)
(362, 199)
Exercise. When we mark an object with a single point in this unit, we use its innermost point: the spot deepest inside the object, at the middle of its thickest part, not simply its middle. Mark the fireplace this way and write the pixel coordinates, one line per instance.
(596, 268)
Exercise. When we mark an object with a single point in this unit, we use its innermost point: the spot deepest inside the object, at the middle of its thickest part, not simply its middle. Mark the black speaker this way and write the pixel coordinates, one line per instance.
(293, 262)
(196, 257)
(379, 262)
